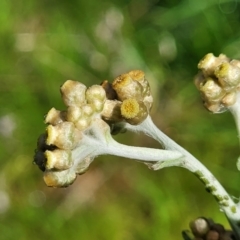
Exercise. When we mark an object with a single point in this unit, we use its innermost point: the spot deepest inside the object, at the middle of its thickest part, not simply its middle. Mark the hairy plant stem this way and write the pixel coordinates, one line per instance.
(94, 146)
(231, 209)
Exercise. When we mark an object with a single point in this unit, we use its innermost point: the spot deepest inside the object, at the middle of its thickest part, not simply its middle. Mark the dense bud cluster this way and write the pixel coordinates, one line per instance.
(218, 81)
(130, 98)
(89, 113)
(206, 229)
(65, 131)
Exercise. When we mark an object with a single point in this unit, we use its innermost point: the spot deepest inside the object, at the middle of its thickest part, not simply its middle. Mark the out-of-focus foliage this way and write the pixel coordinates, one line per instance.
(44, 43)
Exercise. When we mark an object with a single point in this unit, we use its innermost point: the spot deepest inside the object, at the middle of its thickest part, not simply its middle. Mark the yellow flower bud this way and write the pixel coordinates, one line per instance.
(209, 63)
(228, 75)
(63, 135)
(133, 111)
(111, 111)
(80, 116)
(96, 96)
(95, 92)
(73, 93)
(126, 87)
(139, 76)
(59, 178)
(74, 113)
(212, 91)
(55, 117)
(58, 159)
(83, 123)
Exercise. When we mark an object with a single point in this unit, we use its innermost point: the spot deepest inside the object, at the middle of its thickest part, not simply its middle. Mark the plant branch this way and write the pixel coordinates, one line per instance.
(189, 162)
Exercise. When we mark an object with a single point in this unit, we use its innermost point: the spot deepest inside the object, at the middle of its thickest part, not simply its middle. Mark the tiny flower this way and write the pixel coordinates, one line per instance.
(133, 111)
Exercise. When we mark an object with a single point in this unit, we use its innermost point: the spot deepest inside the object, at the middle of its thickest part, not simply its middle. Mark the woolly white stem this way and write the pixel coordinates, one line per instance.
(189, 162)
(142, 153)
(235, 110)
(92, 147)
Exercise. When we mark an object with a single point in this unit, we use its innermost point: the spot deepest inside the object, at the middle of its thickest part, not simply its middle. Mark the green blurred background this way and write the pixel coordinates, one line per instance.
(42, 44)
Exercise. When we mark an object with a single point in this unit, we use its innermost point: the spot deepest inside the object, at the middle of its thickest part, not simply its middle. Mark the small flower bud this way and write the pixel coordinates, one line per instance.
(212, 91)
(111, 111)
(229, 99)
(86, 118)
(209, 63)
(73, 93)
(95, 92)
(139, 76)
(58, 159)
(96, 96)
(133, 111)
(199, 227)
(87, 110)
(55, 117)
(59, 178)
(228, 75)
(83, 123)
(63, 135)
(74, 113)
(126, 87)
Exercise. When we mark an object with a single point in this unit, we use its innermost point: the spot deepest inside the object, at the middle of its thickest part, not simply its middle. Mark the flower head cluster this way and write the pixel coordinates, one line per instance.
(218, 81)
(128, 98)
(76, 135)
(206, 228)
